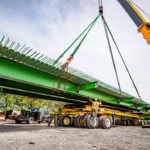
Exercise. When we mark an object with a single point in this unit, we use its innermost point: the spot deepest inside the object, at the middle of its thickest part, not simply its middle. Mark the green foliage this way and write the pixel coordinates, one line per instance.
(15, 102)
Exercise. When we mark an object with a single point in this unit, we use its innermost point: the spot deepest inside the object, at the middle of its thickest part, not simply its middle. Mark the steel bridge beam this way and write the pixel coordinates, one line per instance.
(21, 78)
(19, 74)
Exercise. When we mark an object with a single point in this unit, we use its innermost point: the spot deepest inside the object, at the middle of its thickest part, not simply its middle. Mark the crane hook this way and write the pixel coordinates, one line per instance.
(100, 4)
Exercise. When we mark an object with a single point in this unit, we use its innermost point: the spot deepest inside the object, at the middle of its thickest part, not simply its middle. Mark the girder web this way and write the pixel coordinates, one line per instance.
(14, 52)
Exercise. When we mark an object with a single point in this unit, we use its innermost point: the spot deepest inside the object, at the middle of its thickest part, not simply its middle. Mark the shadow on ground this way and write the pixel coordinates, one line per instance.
(12, 127)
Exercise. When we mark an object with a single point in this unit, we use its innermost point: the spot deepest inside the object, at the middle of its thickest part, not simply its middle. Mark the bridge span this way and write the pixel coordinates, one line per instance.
(29, 73)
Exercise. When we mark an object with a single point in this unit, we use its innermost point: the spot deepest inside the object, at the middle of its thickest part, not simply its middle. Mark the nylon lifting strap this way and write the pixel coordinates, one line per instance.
(65, 65)
(57, 60)
(121, 57)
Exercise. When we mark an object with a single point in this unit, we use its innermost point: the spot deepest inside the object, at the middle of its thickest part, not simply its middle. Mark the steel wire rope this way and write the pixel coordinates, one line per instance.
(111, 53)
(122, 57)
(143, 11)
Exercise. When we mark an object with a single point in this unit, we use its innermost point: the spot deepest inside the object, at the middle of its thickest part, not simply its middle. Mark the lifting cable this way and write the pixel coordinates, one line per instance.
(143, 11)
(108, 29)
(57, 60)
(65, 65)
(121, 57)
(109, 45)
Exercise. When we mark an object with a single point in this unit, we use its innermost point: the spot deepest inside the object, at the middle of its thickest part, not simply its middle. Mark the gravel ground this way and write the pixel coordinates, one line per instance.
(40, 137)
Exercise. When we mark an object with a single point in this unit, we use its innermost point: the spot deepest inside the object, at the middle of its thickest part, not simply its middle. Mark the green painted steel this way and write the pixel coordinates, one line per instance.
(146, 105)
(127, 100)
(92, 85)
(89, 86)
(21, 73)
(145, 116)
(1, 90)
(25, 71)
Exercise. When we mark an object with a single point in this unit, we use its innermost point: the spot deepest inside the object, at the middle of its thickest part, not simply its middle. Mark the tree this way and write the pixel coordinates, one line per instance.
(15, 102)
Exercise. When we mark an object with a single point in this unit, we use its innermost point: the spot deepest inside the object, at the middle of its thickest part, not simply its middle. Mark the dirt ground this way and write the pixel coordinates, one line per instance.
(40, 137)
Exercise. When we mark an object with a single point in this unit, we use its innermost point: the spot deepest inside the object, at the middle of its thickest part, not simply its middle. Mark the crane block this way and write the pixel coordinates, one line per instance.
(145, 30)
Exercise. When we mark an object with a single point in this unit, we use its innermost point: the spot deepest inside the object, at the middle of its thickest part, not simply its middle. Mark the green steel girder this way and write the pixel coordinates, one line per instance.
(146, 105)
(57, 98)
(72, 75)
(33, 89)
(1, 90)
(145, 116)
(114, 101)
(77, 88)
(92, 85)
(137, 102)
(40, 95)
(27, 76)
(20, 77)
(128, 100)
(23, 74)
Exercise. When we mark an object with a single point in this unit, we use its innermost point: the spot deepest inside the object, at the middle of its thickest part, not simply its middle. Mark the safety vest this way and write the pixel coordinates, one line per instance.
(95, 105)
(54, 111)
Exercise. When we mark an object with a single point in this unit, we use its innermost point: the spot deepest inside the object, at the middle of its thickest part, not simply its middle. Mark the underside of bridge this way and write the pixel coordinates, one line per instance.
(22, 73)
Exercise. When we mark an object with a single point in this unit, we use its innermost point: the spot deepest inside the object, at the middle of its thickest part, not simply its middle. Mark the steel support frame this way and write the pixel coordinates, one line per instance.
(20, 77)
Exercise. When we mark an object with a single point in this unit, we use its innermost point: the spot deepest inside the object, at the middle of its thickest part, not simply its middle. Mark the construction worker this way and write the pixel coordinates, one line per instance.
(95, 107)
(53, 116)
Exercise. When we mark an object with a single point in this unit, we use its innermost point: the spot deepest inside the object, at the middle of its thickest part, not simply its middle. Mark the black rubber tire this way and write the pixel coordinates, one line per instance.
(106, 123)
(119, 122)
(125, 122)
(78, 121)
(75, 121)
(85, 121)
(128, 123)
(99, 121)
(30, 121)
(17, 121)
(90, 124)
(131, 122)
(68, 124)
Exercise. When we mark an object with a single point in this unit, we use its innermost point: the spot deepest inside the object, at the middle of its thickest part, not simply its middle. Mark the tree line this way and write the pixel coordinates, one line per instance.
(15, 102)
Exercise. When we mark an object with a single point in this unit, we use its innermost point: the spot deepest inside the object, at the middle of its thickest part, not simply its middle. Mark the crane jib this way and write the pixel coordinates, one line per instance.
(131, 12)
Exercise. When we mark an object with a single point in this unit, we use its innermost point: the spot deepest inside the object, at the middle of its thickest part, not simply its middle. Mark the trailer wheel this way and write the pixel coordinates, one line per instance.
(106, 123)
(30, 121)
(66, 121)
(85, 121)
(17, 121)
(92, 122)
(80, 121)
(99, 121)
(75, 121)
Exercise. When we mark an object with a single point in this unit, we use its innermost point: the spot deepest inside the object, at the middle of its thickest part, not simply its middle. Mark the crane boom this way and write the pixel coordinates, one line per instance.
(138, 19)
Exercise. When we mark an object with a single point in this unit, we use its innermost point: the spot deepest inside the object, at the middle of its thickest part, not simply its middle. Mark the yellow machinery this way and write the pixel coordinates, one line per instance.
(137, 17)
(81, 117)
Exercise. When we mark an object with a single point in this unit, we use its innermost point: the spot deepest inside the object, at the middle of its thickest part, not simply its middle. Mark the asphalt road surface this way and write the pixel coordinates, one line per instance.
(40, 137)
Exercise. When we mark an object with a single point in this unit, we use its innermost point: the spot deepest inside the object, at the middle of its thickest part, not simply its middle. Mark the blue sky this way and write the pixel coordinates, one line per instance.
(49, 26)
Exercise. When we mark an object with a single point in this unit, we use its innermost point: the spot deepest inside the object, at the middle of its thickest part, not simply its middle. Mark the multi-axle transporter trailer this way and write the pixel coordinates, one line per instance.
(81, 117)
